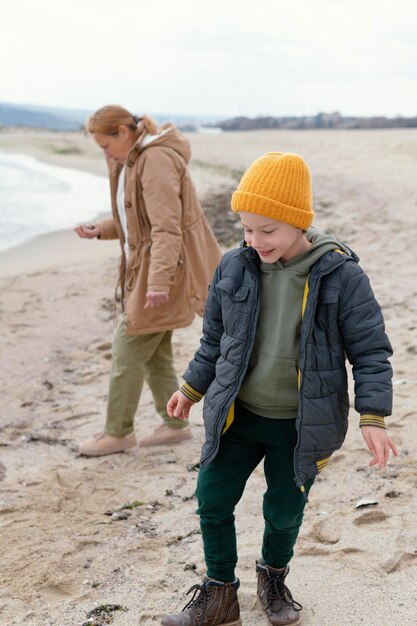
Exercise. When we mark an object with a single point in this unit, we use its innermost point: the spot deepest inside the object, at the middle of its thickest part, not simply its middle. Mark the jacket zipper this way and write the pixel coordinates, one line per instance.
(320, 275)
(220, 422)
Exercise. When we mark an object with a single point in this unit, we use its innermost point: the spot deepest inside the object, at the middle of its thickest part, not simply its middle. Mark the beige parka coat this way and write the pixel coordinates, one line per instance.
(171, 245)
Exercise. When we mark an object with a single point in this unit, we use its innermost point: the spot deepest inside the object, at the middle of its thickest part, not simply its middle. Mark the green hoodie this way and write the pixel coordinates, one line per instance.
(270, 388)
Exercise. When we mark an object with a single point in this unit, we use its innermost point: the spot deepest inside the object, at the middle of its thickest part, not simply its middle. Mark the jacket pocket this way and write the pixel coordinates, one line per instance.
(235, 307)
(236, 291)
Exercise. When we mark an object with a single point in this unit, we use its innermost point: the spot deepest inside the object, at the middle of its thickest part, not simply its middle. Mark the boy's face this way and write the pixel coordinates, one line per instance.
(271, 239)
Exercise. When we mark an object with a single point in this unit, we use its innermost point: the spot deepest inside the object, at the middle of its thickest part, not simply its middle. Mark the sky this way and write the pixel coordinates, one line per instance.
(212, 57)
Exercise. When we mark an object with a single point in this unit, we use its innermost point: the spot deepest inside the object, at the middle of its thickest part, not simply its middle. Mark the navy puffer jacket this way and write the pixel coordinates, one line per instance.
(341, 319)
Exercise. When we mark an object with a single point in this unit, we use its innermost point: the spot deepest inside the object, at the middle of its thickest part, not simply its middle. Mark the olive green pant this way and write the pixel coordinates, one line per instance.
(220, 486)
(136, 359)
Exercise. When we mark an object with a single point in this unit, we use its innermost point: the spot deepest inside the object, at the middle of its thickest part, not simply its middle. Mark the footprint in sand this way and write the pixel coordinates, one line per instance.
(311, 550)
(57, 590)
(404, 554)
(370, 517)
(399, 561)
(326, 531)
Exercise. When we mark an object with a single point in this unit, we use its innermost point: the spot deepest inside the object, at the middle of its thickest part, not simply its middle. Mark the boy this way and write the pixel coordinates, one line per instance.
(283, 312)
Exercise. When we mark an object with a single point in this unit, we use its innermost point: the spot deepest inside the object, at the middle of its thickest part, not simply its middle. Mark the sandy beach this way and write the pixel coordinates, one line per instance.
(62, 552)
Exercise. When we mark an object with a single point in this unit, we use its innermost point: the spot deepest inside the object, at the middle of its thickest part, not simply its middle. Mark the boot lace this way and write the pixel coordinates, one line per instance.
(276, 589)
(198, 602)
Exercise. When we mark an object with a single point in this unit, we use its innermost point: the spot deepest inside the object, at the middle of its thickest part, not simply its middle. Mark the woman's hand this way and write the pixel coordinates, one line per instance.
(155, 298)
(379, 445)
(179, 406)
(87, 231)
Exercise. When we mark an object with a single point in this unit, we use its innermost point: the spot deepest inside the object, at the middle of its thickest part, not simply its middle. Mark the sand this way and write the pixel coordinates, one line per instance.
(61, 555)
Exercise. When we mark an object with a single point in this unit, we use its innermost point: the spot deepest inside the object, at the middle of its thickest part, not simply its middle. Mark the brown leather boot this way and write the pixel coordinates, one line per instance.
(215, 605)
(275, 597)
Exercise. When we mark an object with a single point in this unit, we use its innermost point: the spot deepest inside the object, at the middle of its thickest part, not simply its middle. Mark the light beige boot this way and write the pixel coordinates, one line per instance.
(277, 602)
(165, 436)
(102, 444)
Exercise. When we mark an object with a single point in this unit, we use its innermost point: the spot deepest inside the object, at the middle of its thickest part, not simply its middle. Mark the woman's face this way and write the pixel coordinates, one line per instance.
(116, 147)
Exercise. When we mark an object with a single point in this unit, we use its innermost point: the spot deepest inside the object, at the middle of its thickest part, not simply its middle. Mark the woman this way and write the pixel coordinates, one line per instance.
(169, 254)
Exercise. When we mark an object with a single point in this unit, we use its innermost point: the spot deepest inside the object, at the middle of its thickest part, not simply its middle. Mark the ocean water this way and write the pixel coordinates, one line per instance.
(37, 198)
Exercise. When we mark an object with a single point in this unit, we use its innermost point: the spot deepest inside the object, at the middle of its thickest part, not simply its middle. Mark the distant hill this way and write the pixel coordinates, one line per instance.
(41, 117)
(321, 120)
(53, 118)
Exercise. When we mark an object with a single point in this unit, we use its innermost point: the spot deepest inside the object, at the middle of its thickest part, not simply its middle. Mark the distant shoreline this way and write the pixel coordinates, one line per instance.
(56, 119)
(321, 121)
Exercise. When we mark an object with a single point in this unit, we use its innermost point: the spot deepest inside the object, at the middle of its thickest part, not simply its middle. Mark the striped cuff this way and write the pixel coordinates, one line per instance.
(192, 394)
(372, 420)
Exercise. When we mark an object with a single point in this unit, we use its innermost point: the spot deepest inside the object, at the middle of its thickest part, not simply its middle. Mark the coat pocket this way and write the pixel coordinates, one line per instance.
(235, 305)
(236, 291)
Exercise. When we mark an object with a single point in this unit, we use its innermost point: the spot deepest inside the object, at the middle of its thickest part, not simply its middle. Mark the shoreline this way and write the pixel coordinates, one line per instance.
(73, 150)
(62, 246)
(56, 249)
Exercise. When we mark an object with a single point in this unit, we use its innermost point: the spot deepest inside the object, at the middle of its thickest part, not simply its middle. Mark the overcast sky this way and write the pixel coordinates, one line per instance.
(212, 57)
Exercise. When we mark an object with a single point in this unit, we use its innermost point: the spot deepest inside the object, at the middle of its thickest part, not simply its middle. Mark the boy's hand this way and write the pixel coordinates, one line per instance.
(379, 445)
(179, 406)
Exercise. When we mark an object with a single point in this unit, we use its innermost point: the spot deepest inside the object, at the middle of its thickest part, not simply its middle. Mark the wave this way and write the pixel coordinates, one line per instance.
(36, 198)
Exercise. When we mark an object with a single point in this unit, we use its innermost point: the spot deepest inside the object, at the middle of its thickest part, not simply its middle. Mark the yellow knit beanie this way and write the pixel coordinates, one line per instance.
(277, 185)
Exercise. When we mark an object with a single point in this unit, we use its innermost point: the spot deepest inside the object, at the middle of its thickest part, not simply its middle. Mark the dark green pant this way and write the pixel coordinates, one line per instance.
(220, 486)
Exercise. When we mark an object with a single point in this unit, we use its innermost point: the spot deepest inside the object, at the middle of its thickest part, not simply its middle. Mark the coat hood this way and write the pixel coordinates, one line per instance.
(319, 238)
(169, 137)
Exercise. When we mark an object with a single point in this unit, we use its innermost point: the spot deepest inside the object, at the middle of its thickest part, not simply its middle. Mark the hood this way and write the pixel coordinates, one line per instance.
(169, 137)
(321, 243)
(318, 239)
